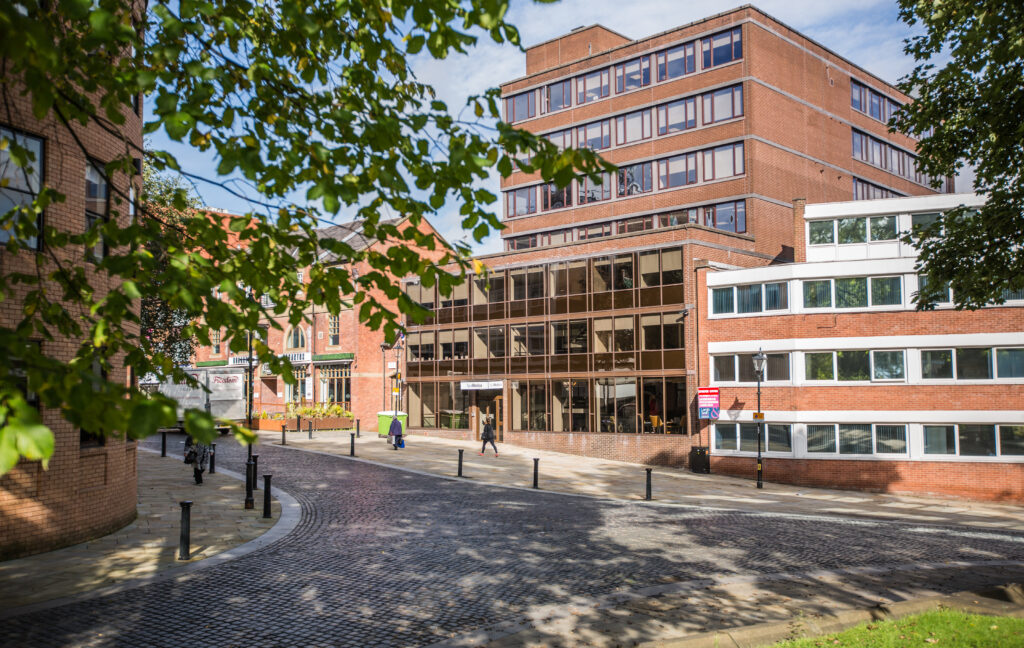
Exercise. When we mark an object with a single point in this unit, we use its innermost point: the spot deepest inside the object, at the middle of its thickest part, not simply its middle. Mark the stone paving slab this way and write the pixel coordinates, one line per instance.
(566, 473)
(149, 545)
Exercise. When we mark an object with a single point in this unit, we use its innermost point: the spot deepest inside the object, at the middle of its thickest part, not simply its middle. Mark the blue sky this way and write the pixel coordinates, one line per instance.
(867, 32)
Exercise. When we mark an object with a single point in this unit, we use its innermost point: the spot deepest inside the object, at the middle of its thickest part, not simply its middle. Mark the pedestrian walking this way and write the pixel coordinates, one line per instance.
(197, 454)
(395, 433)
(488, 437)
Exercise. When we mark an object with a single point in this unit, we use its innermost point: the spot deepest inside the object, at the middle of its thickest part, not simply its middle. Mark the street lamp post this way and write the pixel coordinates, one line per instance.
(759, 360)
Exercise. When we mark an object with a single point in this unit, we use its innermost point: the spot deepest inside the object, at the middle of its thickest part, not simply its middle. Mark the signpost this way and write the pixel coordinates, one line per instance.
(708, 404)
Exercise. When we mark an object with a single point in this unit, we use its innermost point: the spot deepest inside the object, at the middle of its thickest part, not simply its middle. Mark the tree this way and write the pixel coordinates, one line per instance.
(163, 326)
(969, 110)
(305, 95)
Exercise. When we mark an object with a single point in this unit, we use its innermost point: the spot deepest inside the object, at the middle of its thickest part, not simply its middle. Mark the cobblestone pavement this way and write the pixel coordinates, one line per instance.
(389, 558)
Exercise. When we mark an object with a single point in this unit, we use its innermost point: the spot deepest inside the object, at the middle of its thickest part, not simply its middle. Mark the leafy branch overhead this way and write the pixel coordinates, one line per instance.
(973, 107)
(304, 96)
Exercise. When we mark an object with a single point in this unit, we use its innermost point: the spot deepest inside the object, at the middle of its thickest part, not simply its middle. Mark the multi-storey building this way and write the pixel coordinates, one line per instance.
(89, 488)
(860, 389)
(580, 344)
(336, 359)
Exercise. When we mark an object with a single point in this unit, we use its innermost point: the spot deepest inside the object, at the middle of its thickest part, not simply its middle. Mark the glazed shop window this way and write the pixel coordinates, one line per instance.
(721, 48)
(520, 202)
(556, 96)
(677, 61)
(591, 191)
(520, 107)
(633, 127)
(635, 179)
(18, 185)
(632, 75)
(595, 136)
(723, 104)
(593, 86)
(677, 171)
(551, 197)
(677, 116)
(723, 162)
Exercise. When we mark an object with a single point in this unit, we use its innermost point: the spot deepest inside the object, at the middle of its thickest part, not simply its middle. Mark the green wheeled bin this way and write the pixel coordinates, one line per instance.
(384, 421)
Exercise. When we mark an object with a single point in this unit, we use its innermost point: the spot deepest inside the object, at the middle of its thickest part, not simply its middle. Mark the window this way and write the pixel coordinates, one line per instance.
(940, 439)
(748, 299)
(1010, 363)
(863, 190)
(1011, 439)
(296, 338)
(336, 385)
(724, 368)
(721, 48)
(636, 179)
(944, 295)
(594, 231)
(774, 437)
(821, 438)
(677, 171)
(520, 107)
(591, 191)
(885, 291)
(723, 161)
(677, 61)
(520, 202)
(556, 96)
(852, 230)
(937, 363)
(973, 364)
(591, 87)
(851, 292)
(855, 439)
(633, 127)
(722, 301)
(728, 217)
(818, 294)
(977, 440)
(723, 104)
(776, 296)
(633, 75)
(740, 368)
(333, 330)
(780, 438)
(595, 136)
(551, 197)
(887, 365)
(891, 439)
(562, 139)
(522, 242)
(19, 185)
(819, 366)
(677, 116)
(630, 225)
(97, 197)
(852, 365)
(215, 342)
(883, 228)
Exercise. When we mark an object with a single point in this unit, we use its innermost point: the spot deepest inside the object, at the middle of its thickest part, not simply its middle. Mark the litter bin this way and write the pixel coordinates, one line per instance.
(384, 421)
(700, 461)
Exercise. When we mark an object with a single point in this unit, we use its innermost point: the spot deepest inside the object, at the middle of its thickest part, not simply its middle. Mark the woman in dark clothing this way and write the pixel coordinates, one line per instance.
(395, 432)
(197, 454)
(488, 437)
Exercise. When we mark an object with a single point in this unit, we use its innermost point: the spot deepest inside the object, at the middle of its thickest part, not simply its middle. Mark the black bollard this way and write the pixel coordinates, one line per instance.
(352, 444)
(284, 426)
(311, 430)
(255, 472)
(266, 495)
(186, 529)
(213, 458)
(163, 444)
(249, 503)
(536, 469)
(460, 461)
(298, 423)
(648, 497)
(357, 428)
(249, 450)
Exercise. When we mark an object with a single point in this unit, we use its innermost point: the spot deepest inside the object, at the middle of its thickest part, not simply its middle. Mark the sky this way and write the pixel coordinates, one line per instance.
(867, 32)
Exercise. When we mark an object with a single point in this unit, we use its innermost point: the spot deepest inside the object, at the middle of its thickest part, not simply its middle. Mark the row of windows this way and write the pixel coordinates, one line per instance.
(965, 440)
(862, 365)
(729, 216)
(848, 231)
(677, 171)
(872, 103)
(668, 64)
(864, 190)
(885, 156)
(845, 292)
(608, 405)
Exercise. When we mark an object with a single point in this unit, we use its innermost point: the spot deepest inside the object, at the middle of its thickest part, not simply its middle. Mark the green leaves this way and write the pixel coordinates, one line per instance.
(178, 125)
(22, 433)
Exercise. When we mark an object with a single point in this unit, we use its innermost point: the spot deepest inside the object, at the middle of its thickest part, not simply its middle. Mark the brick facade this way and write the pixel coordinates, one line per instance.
(87, 490)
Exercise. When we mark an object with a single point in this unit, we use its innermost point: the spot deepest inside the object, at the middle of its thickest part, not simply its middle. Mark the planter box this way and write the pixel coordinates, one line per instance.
(326, 423)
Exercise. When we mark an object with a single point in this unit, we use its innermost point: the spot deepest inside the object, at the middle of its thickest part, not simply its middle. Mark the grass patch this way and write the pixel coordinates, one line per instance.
(937, 628)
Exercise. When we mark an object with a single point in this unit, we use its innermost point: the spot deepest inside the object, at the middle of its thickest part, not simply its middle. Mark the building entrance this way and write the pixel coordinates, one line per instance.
(489, 406)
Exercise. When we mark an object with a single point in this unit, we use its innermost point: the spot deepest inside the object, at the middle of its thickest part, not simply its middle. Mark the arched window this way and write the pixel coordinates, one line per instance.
(296, 338)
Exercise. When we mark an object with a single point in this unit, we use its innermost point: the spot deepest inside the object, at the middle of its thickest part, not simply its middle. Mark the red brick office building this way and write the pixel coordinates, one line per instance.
(336, 358)
(862, 390)
(582, 343)
(89, 488)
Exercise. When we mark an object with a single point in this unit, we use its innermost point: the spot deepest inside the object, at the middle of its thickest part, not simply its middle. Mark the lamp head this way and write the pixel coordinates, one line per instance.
(759, 361)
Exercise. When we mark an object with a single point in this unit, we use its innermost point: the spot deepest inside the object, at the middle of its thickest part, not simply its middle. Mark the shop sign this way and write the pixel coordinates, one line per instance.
(472, 385)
